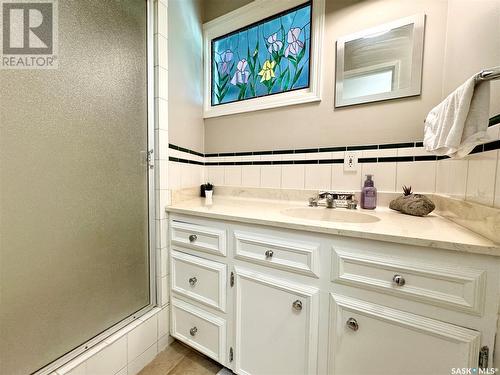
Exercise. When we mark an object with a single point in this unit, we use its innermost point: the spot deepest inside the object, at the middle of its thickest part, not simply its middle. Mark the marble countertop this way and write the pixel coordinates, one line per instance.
(430, 231)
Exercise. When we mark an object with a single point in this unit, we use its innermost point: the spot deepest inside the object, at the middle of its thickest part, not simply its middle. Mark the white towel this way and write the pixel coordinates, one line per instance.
(460, 122)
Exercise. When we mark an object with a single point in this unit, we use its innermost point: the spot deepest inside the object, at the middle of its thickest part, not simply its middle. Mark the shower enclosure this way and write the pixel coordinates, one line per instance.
(76, 189)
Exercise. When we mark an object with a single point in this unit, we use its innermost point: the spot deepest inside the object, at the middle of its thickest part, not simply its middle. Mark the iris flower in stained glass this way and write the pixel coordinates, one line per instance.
(269, 57)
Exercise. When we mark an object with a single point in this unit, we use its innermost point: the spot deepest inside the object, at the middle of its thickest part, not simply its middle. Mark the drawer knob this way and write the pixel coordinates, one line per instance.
(193, 281)
(352, 324)
(193, 238)
(193, 331)
(398, 280)
(297, 305)
(269, 253)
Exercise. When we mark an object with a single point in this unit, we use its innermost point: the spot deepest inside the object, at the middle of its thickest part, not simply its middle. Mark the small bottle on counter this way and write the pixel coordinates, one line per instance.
(369, 194)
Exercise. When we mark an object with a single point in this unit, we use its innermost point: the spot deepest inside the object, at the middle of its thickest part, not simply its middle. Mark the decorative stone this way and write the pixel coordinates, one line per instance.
(413, 204)
(397, 204)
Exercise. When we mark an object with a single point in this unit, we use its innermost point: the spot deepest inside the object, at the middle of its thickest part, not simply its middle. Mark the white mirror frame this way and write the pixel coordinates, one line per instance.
(246, 15)
(416, 70)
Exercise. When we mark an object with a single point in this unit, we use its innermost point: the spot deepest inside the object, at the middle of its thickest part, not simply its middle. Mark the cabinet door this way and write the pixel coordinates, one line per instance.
(276, 325)
(366, 338)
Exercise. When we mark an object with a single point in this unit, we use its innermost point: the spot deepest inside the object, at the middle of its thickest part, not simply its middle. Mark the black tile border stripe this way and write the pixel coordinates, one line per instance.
(490, 146)
(387, 159)
(494, 120)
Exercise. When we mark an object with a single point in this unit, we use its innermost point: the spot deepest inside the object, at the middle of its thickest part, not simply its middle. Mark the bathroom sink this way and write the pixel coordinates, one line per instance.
(326, 214)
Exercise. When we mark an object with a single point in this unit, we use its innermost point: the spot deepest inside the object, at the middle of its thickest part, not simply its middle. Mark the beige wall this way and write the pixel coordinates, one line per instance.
(185, 79)
(216, 8)
(319, 124)
(472, 44)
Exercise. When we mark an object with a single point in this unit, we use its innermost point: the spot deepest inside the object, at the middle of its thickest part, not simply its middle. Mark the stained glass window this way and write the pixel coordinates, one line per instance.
(268, 57)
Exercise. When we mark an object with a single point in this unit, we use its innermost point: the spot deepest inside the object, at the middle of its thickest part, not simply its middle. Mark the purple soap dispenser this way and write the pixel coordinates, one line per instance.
(369, 194)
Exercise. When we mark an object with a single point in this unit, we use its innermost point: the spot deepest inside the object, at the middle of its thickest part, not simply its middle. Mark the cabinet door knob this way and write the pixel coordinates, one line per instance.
(269, 253)
(297, 305)
(193, 331)
(352, 324)
(193, 281)
(193, 238)
(398, 280)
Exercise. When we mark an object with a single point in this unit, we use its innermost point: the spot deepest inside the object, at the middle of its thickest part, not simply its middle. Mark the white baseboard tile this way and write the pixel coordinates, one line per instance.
(127, 351)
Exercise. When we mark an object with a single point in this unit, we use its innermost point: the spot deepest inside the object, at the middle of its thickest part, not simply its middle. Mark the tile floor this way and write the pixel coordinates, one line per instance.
(178, 359)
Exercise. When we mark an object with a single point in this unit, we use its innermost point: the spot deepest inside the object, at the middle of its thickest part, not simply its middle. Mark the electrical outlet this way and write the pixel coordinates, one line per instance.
(351, 161)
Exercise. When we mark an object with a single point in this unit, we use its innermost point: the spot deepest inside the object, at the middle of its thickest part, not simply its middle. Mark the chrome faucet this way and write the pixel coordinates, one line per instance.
(334, 199)
(326, 195)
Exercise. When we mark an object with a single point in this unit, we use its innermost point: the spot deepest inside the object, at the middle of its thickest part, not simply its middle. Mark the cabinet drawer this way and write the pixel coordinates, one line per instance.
(199, 279)
(278, 252)
(199, 237)
(454, 287)
(203, 331)
(367, 338)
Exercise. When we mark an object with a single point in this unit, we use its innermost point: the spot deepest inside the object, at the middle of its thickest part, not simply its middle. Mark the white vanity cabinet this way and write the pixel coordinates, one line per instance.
(276, 325)
(367, 338)
(269, 301)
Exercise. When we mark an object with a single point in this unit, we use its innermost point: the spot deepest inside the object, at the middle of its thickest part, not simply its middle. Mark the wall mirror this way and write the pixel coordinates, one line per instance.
(384, 62)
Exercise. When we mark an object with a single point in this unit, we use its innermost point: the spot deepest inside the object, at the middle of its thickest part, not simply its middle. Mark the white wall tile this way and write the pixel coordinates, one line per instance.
(163, 261)
(161, 176)
(163, 322)
(163, 201)
(270, 176)
(161, 87)
(318, 155)
(301, 156)
(269, 157)
(78, 370)
(384, 175)
(379, 153)
(109, 360)
(191, 175)
(412, 151)
(494, 132)
(161, 52)
(165, 291)
(250, 175)
(451, 177)
(318, 176)
(142, 360)
(161, 26)
(141, 338)
(345, 180)
(232, 159)
(123, 371)
(497, 185)
(161, 144)
(215, 175)
(174, 175)
(481, 177)
(161, 233)
(338, 154)
(161, 114)
(292, 176)
(420, 175)
(232, 175)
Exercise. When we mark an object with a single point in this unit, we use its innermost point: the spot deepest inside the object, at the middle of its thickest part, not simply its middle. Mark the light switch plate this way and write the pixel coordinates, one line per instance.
(351, 161)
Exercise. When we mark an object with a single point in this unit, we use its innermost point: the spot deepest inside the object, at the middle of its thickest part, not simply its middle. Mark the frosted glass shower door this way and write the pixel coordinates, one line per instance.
(74, 224)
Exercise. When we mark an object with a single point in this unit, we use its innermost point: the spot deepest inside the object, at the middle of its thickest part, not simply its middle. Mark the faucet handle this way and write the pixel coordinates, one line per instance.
(330, 202)
(313, 202)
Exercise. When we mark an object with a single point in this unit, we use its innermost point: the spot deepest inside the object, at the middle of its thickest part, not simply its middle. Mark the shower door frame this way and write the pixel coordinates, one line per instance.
(149, 155)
